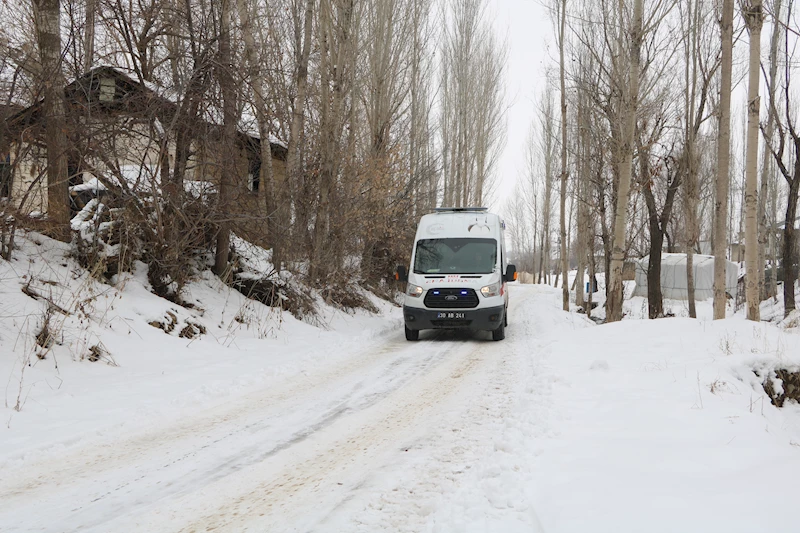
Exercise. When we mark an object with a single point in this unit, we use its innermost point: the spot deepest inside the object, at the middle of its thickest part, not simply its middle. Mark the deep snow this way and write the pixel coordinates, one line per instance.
(274, 424)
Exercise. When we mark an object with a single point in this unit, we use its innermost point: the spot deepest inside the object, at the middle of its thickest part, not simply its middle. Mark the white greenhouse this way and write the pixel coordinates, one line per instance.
(673, 277)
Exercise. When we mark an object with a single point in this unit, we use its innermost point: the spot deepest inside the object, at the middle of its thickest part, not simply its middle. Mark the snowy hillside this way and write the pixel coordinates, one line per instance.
(152, 358)
(254, 420)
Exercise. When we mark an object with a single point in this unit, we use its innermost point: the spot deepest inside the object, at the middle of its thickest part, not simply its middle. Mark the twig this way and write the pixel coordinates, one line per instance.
(36, 296)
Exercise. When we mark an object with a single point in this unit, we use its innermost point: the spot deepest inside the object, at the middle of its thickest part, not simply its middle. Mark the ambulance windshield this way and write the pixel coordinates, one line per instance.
(456, 256)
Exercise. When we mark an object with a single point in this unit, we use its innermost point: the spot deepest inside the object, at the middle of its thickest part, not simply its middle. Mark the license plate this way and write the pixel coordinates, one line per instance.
(451, 315)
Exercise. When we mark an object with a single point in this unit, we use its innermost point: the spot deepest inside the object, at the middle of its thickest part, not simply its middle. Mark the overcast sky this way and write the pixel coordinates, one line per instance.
(527, 29)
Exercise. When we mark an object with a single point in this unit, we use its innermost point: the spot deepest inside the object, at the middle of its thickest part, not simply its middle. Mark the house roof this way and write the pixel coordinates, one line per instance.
(133, 95)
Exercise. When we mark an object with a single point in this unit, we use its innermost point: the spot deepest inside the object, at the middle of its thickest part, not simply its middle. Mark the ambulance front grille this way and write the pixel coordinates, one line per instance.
(451, 298)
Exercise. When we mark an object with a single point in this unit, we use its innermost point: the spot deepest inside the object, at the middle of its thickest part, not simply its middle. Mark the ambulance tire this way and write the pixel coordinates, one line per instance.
(499, 333)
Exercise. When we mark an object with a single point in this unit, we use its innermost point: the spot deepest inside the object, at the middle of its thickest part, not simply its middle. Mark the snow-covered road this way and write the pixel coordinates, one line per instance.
(314, 452)
(563, 427)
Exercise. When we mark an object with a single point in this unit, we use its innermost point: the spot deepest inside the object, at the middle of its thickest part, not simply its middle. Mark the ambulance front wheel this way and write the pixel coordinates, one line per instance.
(499, 333)
(412, 334)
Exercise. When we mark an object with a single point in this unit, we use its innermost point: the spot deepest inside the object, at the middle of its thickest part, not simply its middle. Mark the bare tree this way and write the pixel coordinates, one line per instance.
(658, 218)
(753, 16)
(546, 152)
(420, 149)
(529, 203)
(88, 32)
(472, 69)
(630, 101)
(701, 62)
(690, 197)
(561, 18)
(582, 228)
(584, 197)
(723, 162)
(336, 45)
(787, 134)
(266, 173)
(766, 237)
(294, 170)
(227, 176)
(47, 17)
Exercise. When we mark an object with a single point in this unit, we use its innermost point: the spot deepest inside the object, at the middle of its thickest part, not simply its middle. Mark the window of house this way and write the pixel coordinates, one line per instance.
(5, 177)
(108, 88)
(254, 175)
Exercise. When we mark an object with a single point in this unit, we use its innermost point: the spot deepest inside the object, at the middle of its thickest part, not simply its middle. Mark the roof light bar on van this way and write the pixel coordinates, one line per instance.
(461, 209)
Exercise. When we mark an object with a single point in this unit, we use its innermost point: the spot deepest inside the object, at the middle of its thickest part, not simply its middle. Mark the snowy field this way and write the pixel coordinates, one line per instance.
(267, 423)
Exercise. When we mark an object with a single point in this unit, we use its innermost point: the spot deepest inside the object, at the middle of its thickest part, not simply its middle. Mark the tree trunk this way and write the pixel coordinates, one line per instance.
(541, 259)
(47, 17)
(657, 224)
(183, 141)
(765, 234)
(564, 173)
(185, 125)
(321, 228)
(690, 166)
(723, 163)
(761, 215)
(630, 102)
(592, 277)
(548, 189)
(691, 225)
(334, 66)
(293, 164)
(274, 201)
(655, 300)
(584, 228)
(88, 35)
(413, 151)
(605, 237)
(773, 242)
(225, 76)
(580, 249)
(789, 237)
(753, 18)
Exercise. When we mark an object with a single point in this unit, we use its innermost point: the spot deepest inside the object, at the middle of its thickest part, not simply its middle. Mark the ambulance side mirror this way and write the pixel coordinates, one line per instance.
(511, 273)
(401, 274)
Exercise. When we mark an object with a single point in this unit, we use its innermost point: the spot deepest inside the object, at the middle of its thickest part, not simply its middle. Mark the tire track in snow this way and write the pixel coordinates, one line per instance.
(151, 439)
(463, 474)
(317, 480)
(285, 493)
(164, 459)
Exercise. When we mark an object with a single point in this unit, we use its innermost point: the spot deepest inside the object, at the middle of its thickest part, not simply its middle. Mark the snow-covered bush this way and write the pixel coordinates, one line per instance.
(115, 229)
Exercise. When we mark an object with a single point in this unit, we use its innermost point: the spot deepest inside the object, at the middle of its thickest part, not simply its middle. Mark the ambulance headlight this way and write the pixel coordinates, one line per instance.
(491, 290)
(414, 290)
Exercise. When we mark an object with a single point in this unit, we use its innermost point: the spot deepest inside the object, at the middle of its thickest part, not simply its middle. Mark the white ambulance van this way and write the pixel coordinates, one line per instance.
(458, 273)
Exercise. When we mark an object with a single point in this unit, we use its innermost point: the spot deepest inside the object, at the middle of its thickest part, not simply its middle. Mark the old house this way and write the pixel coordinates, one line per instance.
(135, 137)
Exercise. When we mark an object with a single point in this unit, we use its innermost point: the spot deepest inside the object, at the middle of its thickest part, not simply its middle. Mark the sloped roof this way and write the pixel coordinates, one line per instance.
(166, 100)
